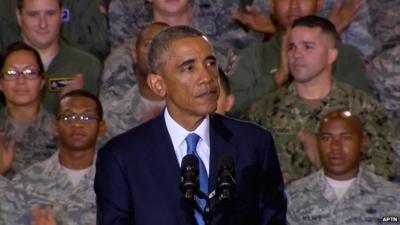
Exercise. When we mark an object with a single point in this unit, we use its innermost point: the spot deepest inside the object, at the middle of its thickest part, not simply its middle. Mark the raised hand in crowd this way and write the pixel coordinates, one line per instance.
(42, 216)
(344, 12)
(253, 18)
(309, 142)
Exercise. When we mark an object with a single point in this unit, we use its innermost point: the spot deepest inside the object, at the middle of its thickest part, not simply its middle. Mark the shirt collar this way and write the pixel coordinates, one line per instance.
(178, 133)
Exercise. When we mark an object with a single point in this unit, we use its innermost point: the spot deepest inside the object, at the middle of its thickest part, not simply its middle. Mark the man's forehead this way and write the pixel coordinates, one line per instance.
(77, 101)
(194, 49)
(305, 31)
(191, 43)
(346, 118)
(48, 4)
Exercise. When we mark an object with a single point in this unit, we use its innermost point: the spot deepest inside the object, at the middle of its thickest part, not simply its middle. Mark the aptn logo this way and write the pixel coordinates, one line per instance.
(390, 219)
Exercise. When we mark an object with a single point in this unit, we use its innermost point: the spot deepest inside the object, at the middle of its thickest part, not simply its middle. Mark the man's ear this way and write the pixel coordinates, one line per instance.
(230, 100)
(102, 129)
(156, 84)
(332, 55)
(18, 14)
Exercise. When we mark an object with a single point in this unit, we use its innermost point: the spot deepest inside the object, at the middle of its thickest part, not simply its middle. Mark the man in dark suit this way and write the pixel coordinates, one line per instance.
(138, 172)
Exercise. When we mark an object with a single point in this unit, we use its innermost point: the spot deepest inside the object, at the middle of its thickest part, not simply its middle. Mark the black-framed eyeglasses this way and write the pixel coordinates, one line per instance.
(69, 118)
(12, 74)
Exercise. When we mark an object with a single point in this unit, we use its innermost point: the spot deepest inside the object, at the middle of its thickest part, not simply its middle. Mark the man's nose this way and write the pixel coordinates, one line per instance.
(294, 4)
(208, 74)
(43, 21)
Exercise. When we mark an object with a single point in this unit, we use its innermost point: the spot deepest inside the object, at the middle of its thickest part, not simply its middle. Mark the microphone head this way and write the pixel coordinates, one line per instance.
(190, 163)
(226, 162)
(189, 184)
(226, 183)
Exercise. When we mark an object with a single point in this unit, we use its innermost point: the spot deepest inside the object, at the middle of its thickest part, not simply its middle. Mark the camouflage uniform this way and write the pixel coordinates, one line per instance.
(37, 143)
(285, 114)
(83, 26)
(131, 109)
(370, 198)
(3, 184)
(118, 75)
(386, 82)
(213, 17)
(47, 184)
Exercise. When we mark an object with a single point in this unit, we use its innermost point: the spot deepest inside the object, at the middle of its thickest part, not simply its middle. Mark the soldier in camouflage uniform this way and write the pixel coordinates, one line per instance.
(135, 102)
(65, 181)
(24, 121)
(342, 192)
(36, 143)
(128, 17)
(290, 112)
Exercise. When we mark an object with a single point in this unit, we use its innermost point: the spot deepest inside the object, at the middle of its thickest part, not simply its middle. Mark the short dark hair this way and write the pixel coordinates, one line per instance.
(224, 81)
(82, 93)
(20, 4)
(140, 36)
(161, 42)
(312, 21)
(21, 46)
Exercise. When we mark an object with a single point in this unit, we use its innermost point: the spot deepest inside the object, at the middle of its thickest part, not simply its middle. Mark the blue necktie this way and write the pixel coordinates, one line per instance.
(191, 141)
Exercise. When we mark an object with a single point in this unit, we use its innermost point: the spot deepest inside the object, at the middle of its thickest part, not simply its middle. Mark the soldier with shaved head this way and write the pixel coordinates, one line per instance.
(342, 191)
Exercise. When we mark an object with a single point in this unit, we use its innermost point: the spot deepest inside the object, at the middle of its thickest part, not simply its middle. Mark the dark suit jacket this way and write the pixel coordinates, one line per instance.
(138, 176)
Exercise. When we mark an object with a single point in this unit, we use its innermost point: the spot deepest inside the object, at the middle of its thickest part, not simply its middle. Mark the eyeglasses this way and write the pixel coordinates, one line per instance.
(67, 118)
(12, 74)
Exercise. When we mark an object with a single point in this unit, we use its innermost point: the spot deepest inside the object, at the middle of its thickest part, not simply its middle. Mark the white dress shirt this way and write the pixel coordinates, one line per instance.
(178, 135)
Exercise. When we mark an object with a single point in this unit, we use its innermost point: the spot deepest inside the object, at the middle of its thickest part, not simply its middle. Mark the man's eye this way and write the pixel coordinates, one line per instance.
(347, 137)
(325, 138)
(32, 14)
(51, 13)
(188, 68)
(211, 63)
(308, 47)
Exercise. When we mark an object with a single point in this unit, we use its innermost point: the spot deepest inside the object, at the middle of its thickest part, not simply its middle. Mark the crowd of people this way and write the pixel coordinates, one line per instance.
(100, 102)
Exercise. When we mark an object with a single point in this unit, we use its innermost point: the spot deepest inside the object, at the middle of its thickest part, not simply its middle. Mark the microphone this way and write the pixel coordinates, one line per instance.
(190, 176)
(226, 183)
